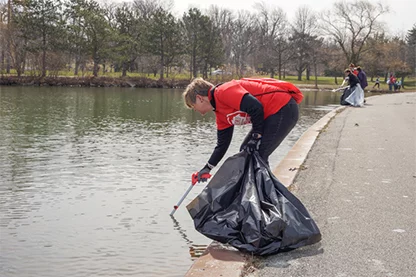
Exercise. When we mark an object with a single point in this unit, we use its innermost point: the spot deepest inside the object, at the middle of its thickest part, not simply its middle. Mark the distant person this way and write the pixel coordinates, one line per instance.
(377, 83)
(353, 95)
(353, 69)
(399, 84)
(392, 82)
(271, 106)
(362, 77)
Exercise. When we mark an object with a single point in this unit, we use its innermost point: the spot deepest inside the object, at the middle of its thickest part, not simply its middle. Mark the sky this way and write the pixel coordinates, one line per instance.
(400, 19)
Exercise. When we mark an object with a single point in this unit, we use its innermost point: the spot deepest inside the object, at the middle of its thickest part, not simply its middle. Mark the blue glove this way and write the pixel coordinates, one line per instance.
(206, 169)
(254, 143)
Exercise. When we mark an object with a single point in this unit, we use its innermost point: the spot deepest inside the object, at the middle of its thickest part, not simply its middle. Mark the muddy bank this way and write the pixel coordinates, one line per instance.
(140, 82)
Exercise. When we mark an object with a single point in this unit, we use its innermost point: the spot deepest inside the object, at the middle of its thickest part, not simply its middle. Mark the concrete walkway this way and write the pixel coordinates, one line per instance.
(358, 181)
(359, 184)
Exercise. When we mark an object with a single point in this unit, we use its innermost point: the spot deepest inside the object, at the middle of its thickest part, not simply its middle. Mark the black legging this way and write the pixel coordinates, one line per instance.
(275, 128)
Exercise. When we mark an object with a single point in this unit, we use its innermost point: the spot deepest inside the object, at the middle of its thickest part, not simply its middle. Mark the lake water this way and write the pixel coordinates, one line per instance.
(88, 177)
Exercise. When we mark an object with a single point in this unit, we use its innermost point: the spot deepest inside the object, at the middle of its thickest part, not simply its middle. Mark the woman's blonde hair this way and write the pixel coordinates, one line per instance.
(197, 86)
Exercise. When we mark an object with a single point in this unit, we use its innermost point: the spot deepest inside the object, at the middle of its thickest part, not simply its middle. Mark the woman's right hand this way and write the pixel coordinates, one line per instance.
(203, 174)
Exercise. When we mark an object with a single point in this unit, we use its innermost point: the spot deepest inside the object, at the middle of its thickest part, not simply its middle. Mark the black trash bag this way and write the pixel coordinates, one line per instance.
(347, 92)
(245, 206)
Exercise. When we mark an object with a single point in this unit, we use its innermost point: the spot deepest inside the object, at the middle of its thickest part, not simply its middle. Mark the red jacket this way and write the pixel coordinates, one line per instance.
(272, 94)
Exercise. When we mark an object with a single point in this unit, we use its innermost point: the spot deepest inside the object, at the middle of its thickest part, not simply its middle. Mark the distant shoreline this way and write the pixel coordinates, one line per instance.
(139, 82)
(129, 82)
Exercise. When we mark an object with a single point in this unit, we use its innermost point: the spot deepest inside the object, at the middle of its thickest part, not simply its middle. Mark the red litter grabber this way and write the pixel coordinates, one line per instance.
(194, 181)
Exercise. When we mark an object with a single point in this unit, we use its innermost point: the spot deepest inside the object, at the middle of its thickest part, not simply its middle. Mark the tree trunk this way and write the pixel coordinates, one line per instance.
(82, 66)
(76, 66)
(190, 69)
(162, 59)
(124, 70)
(2, 60)
(194, 71)
(299, 75)
(23, 67)
(44, 55)
(8, 64)
(9, 22)
(96, 62)
(44, 63)
(279, 66)
(162, 72)
(95, 68)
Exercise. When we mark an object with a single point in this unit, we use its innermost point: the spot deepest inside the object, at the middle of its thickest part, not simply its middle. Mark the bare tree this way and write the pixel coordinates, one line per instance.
(243, 42)
(332, 60)
(303, 39)
(3, 32)
(16, 50)
(222, 20)
(272, 39)
(351, 24)
(316, 57)
(147, 8)
(375, 60)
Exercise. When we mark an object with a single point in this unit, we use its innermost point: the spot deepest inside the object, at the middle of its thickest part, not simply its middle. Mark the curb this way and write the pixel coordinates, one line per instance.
(222, 260)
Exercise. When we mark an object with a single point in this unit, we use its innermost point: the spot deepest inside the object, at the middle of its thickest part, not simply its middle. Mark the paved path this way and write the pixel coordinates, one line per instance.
(360, 186)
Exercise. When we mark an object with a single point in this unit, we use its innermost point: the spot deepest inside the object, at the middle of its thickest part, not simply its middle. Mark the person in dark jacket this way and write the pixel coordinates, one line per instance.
(351, 78)
(353, 94)
(362, 77)
(270, 105)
